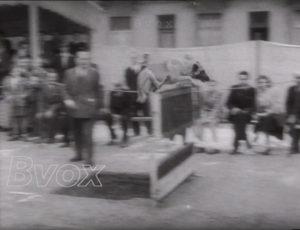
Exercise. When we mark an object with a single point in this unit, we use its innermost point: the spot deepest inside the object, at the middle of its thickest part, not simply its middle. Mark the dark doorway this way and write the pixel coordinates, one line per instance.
(259, 25)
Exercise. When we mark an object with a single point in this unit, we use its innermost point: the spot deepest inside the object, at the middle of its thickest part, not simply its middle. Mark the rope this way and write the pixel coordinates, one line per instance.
(276, 84)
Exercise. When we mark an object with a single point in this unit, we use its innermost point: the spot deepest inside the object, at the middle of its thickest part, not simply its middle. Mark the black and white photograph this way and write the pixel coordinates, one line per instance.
(139, 114)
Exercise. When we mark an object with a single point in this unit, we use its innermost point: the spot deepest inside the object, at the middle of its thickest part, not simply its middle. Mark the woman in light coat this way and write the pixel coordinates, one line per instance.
(269, 112)
(210, 110)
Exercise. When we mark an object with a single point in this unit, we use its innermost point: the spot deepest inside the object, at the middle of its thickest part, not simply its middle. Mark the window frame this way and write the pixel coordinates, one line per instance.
(161, 31)
(266, 27)
(111, 22)
(219, 28)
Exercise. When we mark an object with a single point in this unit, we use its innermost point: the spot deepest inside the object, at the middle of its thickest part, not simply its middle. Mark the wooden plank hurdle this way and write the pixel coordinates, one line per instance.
(171, 171)
(170, 163)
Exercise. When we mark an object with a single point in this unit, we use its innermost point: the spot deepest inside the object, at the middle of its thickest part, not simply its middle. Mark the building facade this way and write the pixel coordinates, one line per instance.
(198, 23)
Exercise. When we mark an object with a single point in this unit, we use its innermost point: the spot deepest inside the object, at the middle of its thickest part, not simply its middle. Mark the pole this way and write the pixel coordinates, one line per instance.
(257, 58)
(34, 36)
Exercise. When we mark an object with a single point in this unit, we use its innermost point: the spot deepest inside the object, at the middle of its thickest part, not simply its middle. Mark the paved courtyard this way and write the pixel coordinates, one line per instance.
(248, 191)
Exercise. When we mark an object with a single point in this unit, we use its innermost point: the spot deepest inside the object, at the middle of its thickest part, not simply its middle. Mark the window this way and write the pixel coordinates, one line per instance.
(209, 31)
(259, 25)
(166, 31)
(295, 28)
(120, 23)
(120, 31)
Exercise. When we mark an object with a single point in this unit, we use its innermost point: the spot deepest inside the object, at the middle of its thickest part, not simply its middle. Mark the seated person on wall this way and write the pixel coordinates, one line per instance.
(104, 113)
(52, 99)
(269, 112)
(120, 104)
(293, 113)
(33, 102)
(211, 109)
(15, 90)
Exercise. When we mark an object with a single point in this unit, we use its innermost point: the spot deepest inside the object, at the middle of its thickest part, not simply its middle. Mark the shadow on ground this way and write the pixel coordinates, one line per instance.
(114, 186)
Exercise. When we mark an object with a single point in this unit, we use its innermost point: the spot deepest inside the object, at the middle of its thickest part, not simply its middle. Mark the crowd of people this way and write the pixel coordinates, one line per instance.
(31, 91)
(66, 97)
(40, 102)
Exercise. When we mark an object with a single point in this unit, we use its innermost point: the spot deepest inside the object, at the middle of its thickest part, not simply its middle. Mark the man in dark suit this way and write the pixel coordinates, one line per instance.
(241, 105)
(293, 113)
(82, 101)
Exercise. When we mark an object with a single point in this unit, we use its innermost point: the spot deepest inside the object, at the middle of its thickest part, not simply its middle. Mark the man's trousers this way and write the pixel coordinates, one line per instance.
(240, 122)
(83, 130)
(295, 133)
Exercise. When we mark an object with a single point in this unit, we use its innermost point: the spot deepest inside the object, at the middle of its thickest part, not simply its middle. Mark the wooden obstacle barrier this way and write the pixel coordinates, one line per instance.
(152, 170)
(172, 112)
(155, 166)
(168, 173)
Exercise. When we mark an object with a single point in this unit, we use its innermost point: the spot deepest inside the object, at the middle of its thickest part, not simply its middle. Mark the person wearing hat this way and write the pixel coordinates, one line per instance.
(293, 113)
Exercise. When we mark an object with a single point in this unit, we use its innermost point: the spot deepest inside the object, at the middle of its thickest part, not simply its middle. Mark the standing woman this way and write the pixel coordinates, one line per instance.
(268, 112)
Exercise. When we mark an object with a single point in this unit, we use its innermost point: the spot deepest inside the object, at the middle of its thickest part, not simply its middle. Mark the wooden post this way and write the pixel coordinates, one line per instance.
(257, 59)
(155, 101)
(34, 35)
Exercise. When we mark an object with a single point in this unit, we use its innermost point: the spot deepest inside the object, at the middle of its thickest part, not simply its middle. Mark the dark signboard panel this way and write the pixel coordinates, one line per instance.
(176, 111)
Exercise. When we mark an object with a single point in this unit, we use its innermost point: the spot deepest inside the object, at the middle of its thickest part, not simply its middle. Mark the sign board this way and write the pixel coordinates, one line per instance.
(172, 111)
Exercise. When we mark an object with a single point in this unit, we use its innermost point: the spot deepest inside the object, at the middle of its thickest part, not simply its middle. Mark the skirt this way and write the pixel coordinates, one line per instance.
(271, 124)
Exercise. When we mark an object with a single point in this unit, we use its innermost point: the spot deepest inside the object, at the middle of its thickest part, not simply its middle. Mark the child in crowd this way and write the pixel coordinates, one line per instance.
(51, 103)
(15, 88)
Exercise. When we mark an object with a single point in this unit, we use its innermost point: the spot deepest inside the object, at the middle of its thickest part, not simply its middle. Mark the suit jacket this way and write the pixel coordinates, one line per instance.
(293, 102)
(84, 91)
(242, 98)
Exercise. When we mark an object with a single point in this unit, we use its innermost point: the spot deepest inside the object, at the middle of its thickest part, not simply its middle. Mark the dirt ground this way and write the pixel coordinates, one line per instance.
(248, 191)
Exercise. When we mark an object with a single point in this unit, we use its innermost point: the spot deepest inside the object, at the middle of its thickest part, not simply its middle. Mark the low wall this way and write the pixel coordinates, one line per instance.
(278, 61)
